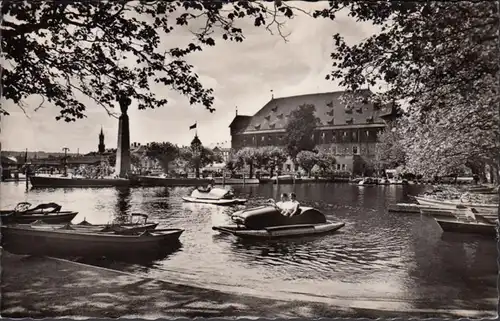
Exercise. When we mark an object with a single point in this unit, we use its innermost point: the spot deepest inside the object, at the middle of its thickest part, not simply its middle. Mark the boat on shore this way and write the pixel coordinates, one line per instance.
(61, 181)
(267, 222)
(217, 196)
(67, 241)
(23, 214)
(458, 226)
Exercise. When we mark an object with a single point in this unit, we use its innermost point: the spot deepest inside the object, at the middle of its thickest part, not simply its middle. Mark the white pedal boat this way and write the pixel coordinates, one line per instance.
(217, 196)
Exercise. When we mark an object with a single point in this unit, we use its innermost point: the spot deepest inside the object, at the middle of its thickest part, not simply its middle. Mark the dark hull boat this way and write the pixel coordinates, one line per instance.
(49, 181)
(170, 181)
(453, 225)
(49, 213)
(50, 218)
(216, 196)
(267, 222)
(67, 241)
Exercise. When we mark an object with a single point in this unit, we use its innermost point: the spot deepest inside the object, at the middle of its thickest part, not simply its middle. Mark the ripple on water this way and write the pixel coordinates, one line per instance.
(377, 253)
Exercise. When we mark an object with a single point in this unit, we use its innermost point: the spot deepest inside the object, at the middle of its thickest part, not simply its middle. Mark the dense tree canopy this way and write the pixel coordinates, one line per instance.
(60, 49)
(431, 48)
(300, 129)
(164, 153)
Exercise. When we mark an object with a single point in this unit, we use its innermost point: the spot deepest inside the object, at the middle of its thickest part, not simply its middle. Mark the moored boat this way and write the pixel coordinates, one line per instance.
(452, 204)
(172, 181)
(368, 181)
(84, 242)
(268, 222)
(49, 218)
(458, 226)
(120, 228)
(60, 181)
(23, 214)
(25, 207)
(217, 196)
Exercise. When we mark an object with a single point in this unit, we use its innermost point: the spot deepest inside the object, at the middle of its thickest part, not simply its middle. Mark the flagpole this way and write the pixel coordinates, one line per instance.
(196, 128)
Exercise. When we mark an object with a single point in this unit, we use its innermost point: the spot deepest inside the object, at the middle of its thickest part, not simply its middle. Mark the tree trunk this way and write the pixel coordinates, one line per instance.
(251, 171)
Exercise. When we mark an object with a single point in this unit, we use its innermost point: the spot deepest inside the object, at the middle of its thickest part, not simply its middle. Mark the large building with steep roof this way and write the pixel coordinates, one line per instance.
(351, 130)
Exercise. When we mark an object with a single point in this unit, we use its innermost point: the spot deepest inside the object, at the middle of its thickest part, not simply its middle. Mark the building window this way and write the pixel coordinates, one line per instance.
(262, 138)
(355, 150)
(354, 135)
(338, 167)
(367, 133)
(343, 167)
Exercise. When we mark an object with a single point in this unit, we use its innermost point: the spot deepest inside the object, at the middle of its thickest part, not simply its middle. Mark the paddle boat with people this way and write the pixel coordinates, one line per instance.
(213, 195)
(273, 221)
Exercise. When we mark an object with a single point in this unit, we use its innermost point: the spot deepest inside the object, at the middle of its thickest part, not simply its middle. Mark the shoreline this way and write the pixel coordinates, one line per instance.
(54, 287)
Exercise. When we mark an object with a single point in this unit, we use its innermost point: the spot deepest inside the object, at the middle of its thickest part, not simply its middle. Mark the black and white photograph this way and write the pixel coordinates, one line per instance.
(249, 159)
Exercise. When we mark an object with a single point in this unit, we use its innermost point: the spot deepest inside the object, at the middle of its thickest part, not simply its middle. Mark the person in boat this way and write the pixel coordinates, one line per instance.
(291, 207)
(206, 189)
(279, 205)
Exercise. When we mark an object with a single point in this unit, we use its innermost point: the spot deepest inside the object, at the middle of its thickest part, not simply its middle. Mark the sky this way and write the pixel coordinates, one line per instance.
(241, 74)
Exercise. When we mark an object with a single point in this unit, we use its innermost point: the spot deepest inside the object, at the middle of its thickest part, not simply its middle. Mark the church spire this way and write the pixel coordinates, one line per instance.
(101, 146)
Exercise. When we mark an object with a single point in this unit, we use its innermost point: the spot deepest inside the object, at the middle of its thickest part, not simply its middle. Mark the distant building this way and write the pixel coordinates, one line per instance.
(224, 152)
(351, 130)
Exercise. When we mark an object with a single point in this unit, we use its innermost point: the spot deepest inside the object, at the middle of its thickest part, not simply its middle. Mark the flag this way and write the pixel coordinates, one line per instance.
(192, 126)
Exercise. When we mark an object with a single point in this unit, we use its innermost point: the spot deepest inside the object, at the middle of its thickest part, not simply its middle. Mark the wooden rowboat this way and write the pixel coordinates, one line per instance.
(68, 241)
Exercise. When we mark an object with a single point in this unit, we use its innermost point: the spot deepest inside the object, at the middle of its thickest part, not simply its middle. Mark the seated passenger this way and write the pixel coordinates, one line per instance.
(279, 205)
(291, 207)
(206, 189)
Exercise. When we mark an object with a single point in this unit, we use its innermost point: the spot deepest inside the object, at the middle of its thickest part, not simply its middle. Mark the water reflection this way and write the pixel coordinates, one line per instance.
(378, 254)
(134, 263)
(122, 208)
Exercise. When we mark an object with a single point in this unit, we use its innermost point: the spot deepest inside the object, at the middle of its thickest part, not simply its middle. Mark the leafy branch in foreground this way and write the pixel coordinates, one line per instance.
(61, 49)
(431, 48)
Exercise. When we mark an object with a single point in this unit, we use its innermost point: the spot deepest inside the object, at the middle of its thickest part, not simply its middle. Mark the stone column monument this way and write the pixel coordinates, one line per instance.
(122, 166)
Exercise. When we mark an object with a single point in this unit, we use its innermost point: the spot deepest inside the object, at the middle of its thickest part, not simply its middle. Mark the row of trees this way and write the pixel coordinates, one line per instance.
(270, 157)
(187, 158)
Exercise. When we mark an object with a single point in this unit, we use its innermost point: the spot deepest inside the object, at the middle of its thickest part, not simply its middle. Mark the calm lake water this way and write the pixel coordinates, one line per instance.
(403, 260)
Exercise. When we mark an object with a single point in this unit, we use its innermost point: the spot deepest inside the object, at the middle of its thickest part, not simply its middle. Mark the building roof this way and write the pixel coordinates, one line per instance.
(329, 109)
